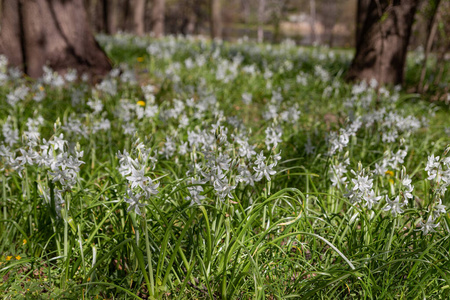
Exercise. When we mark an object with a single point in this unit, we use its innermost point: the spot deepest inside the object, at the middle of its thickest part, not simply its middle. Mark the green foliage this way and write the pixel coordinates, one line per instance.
(293, 236)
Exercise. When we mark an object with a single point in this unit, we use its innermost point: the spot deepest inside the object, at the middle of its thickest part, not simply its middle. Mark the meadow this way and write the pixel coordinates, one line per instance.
(213, 170)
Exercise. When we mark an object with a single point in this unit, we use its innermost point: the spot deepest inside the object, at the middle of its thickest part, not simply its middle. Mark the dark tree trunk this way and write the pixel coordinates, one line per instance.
(158, 12)
(110, 8)
(56, 33)
(381, 50)
(361, 14)
(215, 19)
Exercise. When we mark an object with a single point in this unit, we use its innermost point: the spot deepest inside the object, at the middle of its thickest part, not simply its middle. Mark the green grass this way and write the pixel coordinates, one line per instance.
(293, 237)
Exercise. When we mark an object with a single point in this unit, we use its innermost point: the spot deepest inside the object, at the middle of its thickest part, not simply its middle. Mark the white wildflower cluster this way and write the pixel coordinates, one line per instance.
(223, 164)
(438, 170)
(339, 141)
(361, 189)
(134, 167)
(53, 79)
(19, 94)
(389, 122)
(394, 206)
(10, 133)
(338, 172)
(278, 109)
(50, 157)
(405, 189)
(391, 161)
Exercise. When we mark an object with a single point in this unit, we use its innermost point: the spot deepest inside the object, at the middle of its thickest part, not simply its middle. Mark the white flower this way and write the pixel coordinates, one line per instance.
(133, 200)
(273, 137)
(264, 170)
(394, 206)
(138, 178)
(439, 209)
(362, 183)
(371, 199)
(428, 226)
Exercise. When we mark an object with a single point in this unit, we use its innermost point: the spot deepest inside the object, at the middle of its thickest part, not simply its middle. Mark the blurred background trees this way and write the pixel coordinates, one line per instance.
(380, 30)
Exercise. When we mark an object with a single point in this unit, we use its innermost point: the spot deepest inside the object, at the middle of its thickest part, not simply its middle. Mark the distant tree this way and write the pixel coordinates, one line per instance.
(261, 19)
(277, 9)
(216, 19)
(158, 12)
(111, 13)
(312, 20)
(56, 33)
(361, 14)
(136, 16)
(382, 46)
(431, 34)
(330, 13)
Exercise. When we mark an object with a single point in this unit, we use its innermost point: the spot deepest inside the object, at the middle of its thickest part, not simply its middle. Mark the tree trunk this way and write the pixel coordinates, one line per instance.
(312, 20)
(158, 12)
(10, 35)
(110, 12)
(56, 33)
(246, 10)
(381, 50)
(261, 19)
(215, 19)
(361, 14)
(137, 14)
(431, 34)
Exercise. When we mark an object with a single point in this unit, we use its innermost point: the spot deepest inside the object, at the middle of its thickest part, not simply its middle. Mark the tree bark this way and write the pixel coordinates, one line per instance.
(215, 19)
(136, 11)
(56, 33)
(261, 19)
(312, 20)
(10, 34)
(381, 50)
(110, 10)
(158, 12)
(361, 14)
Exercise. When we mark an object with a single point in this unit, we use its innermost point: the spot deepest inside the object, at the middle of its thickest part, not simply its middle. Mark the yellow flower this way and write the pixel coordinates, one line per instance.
(24, 241)
(140, 59)
(9, 257)
(41, 88)
(389, 173)
(18, 257)
(141, 103)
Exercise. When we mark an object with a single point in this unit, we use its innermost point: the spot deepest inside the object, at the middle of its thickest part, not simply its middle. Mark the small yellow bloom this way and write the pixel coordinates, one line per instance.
(141, 103)
(18, 257)
(389, 173)
(24, 241)
(9, 257)
(140, 59)
(41, 88)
